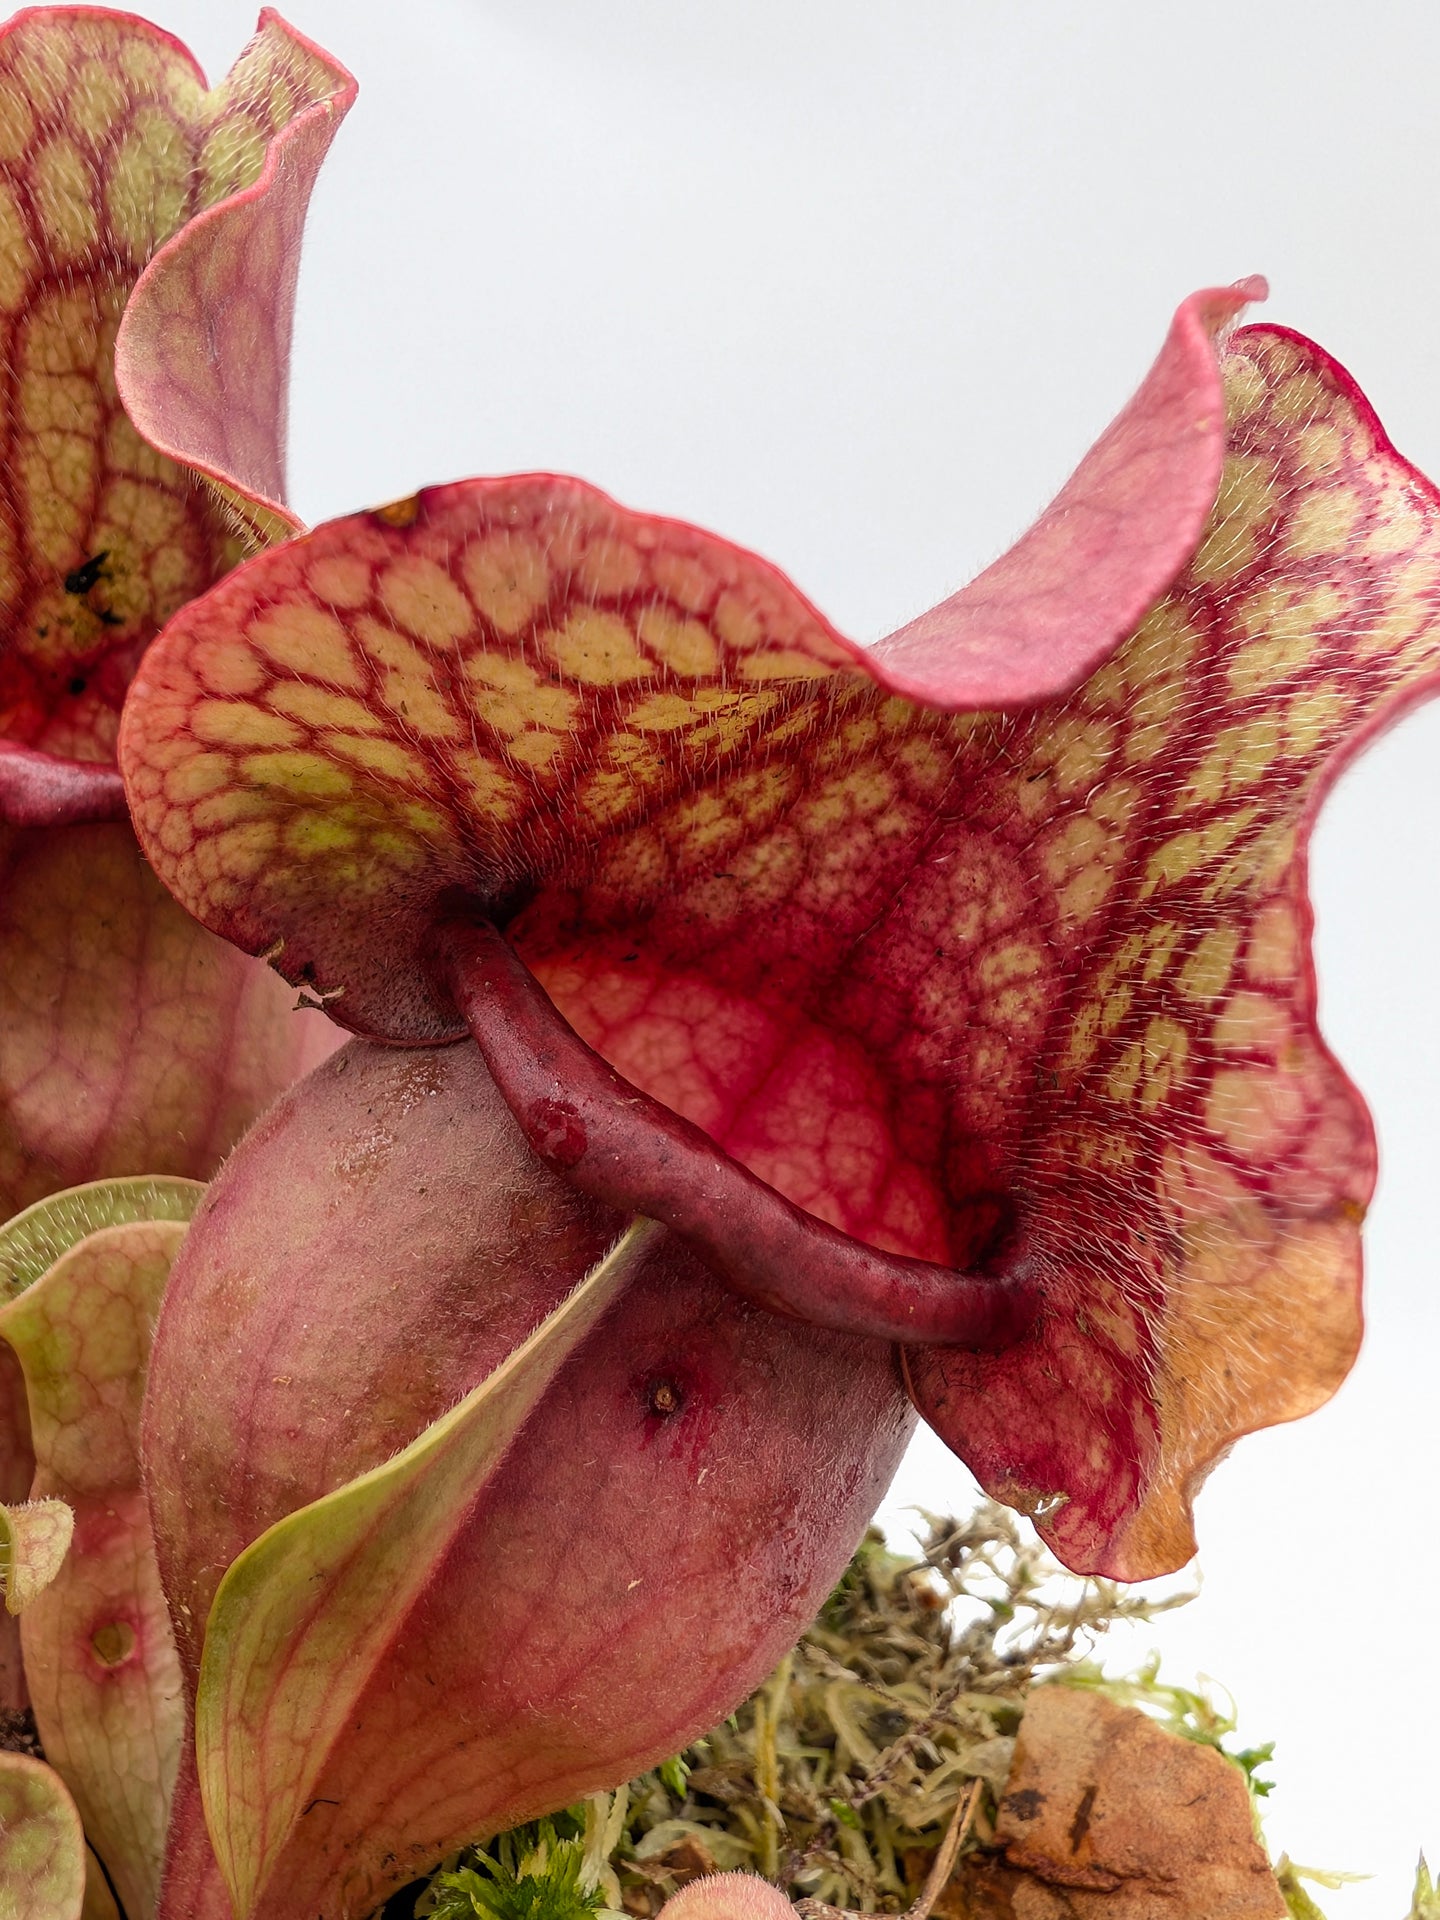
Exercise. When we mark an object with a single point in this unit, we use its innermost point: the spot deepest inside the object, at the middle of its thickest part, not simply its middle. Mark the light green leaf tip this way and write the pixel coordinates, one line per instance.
(42, 1847)
(304, 1614)
(34, 1539)
(34, 1240)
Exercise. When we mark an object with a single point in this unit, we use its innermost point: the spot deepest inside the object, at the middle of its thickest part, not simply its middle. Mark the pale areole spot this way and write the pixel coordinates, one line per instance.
(663, 713)
(17, 257)
(1252, 1023)
(1165, 1049)
(1284, 624)
(388, 758)
(232, 157)
(340, 580)
(323, 708)
(298, 638)
(775, 663)
(508, 696)
(1190, 851)
(539, 751)
(508, 577)
(684, 579)
(1302, 396)
(596, 648)
(1206, 973)
(229, 804)
(407, 681)
(609, 567)
(17, 121)
(198, 777)
(1274, 949)
(299, 775)
(148, 183)
(1238, 760)
(738, 622)
(425, 600)
(491, 789)
(235, 724)
(1079, 750)
(66, 190)
(1323, 522)
(686, 647)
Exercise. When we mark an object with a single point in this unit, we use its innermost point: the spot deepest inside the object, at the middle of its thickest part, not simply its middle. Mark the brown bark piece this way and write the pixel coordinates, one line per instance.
(1107, 1816)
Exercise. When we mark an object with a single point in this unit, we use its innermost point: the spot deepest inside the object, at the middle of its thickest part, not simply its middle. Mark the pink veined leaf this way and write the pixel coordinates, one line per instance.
(306, 1614)
(1055, 607)
(34, 1539)
(1022, 995)
(42, 1847)
(81, 1279)
(113, 152)
(128, 1036)
(202, 358)
(129, 1041)
(657, 1532)
(43, 790)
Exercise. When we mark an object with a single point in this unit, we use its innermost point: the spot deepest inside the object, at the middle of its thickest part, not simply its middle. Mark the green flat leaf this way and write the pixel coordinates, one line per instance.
(42, 1845)
(306, 1611)
(81, 1278)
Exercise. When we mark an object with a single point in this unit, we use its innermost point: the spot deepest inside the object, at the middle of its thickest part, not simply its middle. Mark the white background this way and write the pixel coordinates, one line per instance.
(855, 284)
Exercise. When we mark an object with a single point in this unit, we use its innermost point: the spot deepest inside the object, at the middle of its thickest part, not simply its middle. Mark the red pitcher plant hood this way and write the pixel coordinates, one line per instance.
(759, 1037)
(956, 992)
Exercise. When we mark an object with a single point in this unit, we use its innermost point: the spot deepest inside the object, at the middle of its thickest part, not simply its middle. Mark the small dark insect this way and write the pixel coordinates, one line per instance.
(85, 577)
(79, 684)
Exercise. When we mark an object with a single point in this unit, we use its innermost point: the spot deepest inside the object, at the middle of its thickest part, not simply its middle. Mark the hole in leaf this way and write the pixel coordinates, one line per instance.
(113, 1644)
(663, 1397)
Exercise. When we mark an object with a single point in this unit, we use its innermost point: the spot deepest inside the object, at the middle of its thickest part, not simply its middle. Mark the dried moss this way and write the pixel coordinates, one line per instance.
(837, 1778)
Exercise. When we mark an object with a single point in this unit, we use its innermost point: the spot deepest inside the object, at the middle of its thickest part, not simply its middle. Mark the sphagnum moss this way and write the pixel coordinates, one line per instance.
(838, 1777)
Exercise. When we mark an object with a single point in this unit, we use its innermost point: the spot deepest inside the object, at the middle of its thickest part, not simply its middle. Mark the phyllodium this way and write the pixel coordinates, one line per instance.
(759, 1041)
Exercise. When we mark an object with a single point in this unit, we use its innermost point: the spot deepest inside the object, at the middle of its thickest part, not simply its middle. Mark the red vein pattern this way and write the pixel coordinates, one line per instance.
(109, 146)
(656, 1534)
(129, 1040)
(994, 990)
